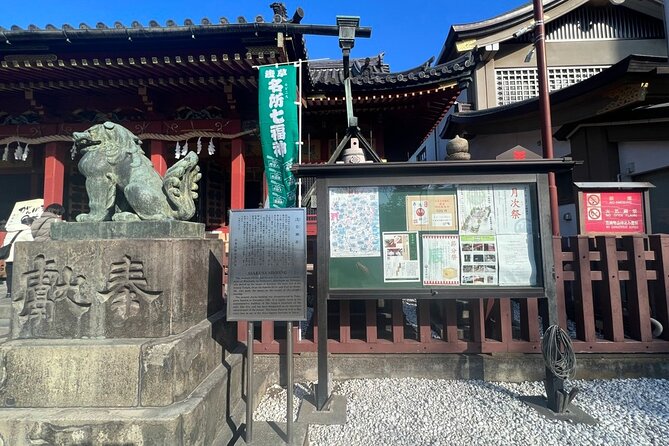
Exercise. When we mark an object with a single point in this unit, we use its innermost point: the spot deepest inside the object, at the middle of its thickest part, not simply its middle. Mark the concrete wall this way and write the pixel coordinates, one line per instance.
(489, 146)
(642, 156)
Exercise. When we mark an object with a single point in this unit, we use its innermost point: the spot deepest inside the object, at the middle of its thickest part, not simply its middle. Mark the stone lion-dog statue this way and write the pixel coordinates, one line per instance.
(122, 184)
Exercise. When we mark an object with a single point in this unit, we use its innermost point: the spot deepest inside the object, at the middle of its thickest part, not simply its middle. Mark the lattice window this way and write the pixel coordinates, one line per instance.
(518, 84)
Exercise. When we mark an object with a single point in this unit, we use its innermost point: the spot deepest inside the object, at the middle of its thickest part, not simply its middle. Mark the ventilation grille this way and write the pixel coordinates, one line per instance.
(518, 84)
(601, 23)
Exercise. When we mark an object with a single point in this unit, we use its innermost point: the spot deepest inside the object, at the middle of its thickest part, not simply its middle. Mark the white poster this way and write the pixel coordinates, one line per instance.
(512, 209)
(516, 260)
(441, 259)
(400, 257)
(32, 208)
(476, 210)
(479, 259)
(354, 222)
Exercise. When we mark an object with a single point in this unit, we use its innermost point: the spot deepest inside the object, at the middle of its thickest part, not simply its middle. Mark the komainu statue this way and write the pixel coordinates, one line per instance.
(122, 184)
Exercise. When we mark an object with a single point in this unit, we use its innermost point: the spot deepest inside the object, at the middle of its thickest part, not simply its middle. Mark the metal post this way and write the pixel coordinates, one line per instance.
(299, 131)
(666, 25)
(249, 384)
(289, 378)
(322, 391)
(545, 109)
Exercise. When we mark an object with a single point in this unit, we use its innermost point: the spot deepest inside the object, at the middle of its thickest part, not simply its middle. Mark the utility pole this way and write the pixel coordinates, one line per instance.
(545, 109)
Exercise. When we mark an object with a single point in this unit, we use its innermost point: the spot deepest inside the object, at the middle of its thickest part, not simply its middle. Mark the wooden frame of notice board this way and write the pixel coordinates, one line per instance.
(384, 228)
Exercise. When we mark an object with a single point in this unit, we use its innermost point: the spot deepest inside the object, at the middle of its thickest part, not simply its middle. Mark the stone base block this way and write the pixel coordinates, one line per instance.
(126, 230)
(109, 373)
(211, 412)
(125, 288)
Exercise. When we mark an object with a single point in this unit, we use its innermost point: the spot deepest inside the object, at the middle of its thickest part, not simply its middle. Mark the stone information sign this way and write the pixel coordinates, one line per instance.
(268, 265)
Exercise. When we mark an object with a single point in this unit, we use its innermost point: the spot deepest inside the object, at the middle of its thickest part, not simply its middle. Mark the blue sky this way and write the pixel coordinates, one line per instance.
(408, 33)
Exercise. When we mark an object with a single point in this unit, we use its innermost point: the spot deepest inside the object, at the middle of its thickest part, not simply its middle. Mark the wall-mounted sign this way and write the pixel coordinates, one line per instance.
(613, 208)
(613, 212)
(268, 265)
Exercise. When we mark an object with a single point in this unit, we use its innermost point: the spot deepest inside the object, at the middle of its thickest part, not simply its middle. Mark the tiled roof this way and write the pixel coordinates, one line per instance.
(280, 17)
(373, 73)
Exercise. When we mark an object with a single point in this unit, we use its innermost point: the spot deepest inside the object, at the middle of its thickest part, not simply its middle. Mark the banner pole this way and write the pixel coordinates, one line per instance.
(299, 132)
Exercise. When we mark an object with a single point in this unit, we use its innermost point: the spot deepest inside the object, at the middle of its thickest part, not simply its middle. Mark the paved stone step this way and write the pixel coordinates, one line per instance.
(5, 308)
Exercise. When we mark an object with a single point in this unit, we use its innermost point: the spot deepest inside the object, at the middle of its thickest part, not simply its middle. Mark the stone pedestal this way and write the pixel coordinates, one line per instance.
(117, 340)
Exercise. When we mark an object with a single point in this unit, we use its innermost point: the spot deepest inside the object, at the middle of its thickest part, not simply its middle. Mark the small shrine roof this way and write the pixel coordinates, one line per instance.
(372, 74)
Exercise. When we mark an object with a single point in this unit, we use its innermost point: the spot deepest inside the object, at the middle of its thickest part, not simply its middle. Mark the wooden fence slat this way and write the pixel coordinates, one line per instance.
(398, 321)
(450, 321)
(585, 313)
(477, 321)
(529, 315)
(242, 326)
(505, 321)
(267, 332)
(425, 331)
(344, 321)
(638, 306)
(371, 332)
(660, 245)
(612, 310)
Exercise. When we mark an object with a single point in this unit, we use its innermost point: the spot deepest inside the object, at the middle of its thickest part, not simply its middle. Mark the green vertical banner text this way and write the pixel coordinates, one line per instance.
(277, 92)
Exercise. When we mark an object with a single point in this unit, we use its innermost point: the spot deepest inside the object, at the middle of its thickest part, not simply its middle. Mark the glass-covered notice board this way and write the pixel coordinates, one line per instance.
(420, 231)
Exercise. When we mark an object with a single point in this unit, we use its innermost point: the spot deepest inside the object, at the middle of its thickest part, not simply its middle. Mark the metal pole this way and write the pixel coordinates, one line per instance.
(289, 378)
(249, 384)
(666, 25)
(545, 109)
(299, 131)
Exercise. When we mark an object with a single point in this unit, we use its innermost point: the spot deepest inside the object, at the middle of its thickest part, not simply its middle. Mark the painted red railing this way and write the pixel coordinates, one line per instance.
(608, 289)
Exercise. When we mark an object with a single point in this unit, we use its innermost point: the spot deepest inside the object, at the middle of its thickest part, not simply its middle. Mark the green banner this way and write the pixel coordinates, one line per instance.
(277, 92)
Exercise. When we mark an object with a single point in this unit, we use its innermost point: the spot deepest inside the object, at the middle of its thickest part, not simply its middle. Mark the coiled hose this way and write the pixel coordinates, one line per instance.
(558, 352)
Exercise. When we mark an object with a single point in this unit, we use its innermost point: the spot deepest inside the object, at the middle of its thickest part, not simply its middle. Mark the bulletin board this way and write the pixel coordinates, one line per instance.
(434, 230)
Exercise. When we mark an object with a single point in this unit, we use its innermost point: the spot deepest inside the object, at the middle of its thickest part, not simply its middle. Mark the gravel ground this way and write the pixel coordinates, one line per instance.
(415, 412)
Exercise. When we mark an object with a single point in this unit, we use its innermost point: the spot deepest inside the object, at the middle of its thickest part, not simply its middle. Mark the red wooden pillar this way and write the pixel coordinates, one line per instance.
(54, 173)
(237, 182)
(159, 156)
(238, 175)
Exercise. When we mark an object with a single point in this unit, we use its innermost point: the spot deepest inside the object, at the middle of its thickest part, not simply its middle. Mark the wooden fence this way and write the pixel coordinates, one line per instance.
(608, 289)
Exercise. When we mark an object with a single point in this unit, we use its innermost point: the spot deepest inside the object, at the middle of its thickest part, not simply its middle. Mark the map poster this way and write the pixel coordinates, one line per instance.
(441, 259)
(431, 212)
(400, 257)
(479, 260)
(517, 266)
(512, 209)
(476, 209)
(354, 222)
